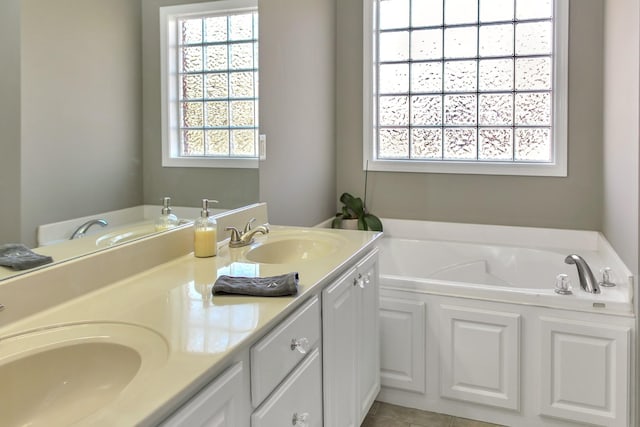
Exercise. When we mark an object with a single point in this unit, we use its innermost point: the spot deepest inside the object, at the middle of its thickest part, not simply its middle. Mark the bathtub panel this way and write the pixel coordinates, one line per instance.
(585, 370)
(480, 356)
(402, 343)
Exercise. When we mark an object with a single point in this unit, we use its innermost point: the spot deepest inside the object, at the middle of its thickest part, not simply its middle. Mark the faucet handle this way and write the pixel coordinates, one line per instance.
(235, 234)
(607, 280)
(248, 227)
(563, 285)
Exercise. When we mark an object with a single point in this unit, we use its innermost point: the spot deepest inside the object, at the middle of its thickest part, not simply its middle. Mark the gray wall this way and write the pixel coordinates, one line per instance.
(621, 122)
(186, 186)
(571, 202)
(10, 121)
(80, 102)
(297, 107)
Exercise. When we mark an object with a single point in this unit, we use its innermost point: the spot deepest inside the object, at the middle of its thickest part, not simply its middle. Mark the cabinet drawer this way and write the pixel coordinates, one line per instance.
(274, 356)
(298, 398)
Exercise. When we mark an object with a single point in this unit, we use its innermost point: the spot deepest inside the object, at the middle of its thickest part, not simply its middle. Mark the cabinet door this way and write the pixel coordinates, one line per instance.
(585, 371)
(339, 343)
(217, 405)
(368, 334)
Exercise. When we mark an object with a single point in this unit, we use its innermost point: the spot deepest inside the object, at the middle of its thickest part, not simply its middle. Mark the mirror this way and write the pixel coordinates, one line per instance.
(84, 78)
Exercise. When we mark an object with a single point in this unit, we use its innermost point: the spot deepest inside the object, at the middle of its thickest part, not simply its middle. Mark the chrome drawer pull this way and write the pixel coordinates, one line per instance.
(300, 420)
(300, 344)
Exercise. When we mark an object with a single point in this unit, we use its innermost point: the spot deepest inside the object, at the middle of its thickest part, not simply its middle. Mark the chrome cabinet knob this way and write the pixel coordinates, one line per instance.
(300, 420)
(300, 344)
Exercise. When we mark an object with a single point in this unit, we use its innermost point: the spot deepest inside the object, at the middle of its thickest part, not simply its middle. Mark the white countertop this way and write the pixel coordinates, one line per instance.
(200, 332)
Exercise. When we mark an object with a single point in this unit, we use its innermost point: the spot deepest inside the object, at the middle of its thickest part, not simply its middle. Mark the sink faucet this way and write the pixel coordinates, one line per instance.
(81, 231)
(587, 280)
(244, 238)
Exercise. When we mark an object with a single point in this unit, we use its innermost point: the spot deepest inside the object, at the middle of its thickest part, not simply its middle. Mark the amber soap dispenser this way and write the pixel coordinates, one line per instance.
(205, 240)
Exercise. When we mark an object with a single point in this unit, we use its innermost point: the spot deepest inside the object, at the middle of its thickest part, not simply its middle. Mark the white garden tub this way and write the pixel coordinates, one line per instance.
(512, 264)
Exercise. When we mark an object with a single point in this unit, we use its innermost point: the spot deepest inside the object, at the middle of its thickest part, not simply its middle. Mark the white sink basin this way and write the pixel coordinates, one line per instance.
(61, 375)
(125, 235)
(283, 250)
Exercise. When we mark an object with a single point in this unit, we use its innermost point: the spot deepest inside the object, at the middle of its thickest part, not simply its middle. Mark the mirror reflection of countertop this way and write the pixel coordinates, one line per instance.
(199, 331)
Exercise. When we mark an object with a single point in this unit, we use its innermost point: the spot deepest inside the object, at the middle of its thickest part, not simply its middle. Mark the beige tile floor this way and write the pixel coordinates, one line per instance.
(387, 415)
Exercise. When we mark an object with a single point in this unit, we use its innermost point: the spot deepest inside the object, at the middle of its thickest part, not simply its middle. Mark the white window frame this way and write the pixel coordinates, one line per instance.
(169, 16)
(557, 167)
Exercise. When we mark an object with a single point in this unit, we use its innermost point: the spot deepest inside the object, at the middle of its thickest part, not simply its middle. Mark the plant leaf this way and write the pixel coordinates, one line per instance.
(373, 222)
(337, 222)
(362, 225)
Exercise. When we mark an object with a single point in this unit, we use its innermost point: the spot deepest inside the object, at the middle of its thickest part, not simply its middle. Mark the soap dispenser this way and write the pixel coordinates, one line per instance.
(205, 240)
(166, 219)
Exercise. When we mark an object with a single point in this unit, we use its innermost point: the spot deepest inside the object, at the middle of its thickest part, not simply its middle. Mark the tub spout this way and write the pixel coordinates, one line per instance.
(587, 280)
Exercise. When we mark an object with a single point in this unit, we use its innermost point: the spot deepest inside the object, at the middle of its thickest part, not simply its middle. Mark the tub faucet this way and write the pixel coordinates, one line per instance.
(82, 230)
(587, 280)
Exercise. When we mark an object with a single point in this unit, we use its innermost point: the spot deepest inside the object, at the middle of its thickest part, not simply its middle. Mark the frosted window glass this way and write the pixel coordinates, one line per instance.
(533, 109)
(243, 142)
(216, 58)
(394, 78)
(394, 110)
(426, 77)
(460, 110)
(495, 144)
(496, 110)
(394, 14)
(533, 74)
(241, 56)
(217, 114)
(426, 44)
(460, 76)
(217, 142)
(241, 84)
(460, 42)
(426, 13)
(394, 46)
(192, 86)
(192, 114)
(533, 9)
(426, 143)
(533, 144)
(191, 59)
(496, 10)
(460, 12)
(240, 27)
(496, 75)
(426, 110)
(496, 40)
(393, 143)
(192, 143)
(242, 113)
(192, 31)
(216, 85)
(534, 38)
(215, 29)
(460, 144)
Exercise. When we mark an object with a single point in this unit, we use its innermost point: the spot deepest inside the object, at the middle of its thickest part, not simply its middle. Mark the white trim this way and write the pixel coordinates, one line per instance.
(169, 93)
(479, 167)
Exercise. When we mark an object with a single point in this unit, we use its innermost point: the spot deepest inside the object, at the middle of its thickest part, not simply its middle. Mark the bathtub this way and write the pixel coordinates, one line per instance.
(511, 264)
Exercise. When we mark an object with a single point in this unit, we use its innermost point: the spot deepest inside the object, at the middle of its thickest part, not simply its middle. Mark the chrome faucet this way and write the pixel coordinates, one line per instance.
(587, 280)
(82, 230)
(244, 238)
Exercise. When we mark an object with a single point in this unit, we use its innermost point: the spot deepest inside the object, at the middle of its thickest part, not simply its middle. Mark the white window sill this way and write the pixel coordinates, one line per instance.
(204, 162)
(472, 168)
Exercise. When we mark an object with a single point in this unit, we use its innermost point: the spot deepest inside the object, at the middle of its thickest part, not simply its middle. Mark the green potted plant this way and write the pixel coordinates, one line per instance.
(354, 211)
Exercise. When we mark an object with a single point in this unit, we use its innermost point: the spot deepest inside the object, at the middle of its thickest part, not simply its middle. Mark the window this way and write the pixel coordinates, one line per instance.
(466, 86)
(210, 84)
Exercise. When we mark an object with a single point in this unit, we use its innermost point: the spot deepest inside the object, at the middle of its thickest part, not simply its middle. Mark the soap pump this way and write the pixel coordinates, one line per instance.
(166, 219)
(205, 240)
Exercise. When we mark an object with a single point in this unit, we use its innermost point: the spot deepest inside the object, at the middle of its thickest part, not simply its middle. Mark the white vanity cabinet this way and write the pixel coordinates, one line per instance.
(222, 403)
(350, 340)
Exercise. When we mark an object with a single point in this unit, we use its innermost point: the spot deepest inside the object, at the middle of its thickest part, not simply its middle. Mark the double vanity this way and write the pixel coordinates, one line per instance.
(132, 335)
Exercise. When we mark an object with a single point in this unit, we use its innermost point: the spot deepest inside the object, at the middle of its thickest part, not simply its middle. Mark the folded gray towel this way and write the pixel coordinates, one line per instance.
(274, 286)
(20, 257)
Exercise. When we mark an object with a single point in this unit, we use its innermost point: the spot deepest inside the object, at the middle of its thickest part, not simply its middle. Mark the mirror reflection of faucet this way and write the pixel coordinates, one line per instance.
(82, 230)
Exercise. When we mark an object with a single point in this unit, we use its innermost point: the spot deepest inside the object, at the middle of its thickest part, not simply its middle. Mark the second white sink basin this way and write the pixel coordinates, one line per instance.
(62, 375)
(290, 249)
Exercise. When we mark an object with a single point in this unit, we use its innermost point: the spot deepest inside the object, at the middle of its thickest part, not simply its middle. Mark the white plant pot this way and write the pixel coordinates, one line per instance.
(349, 224)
